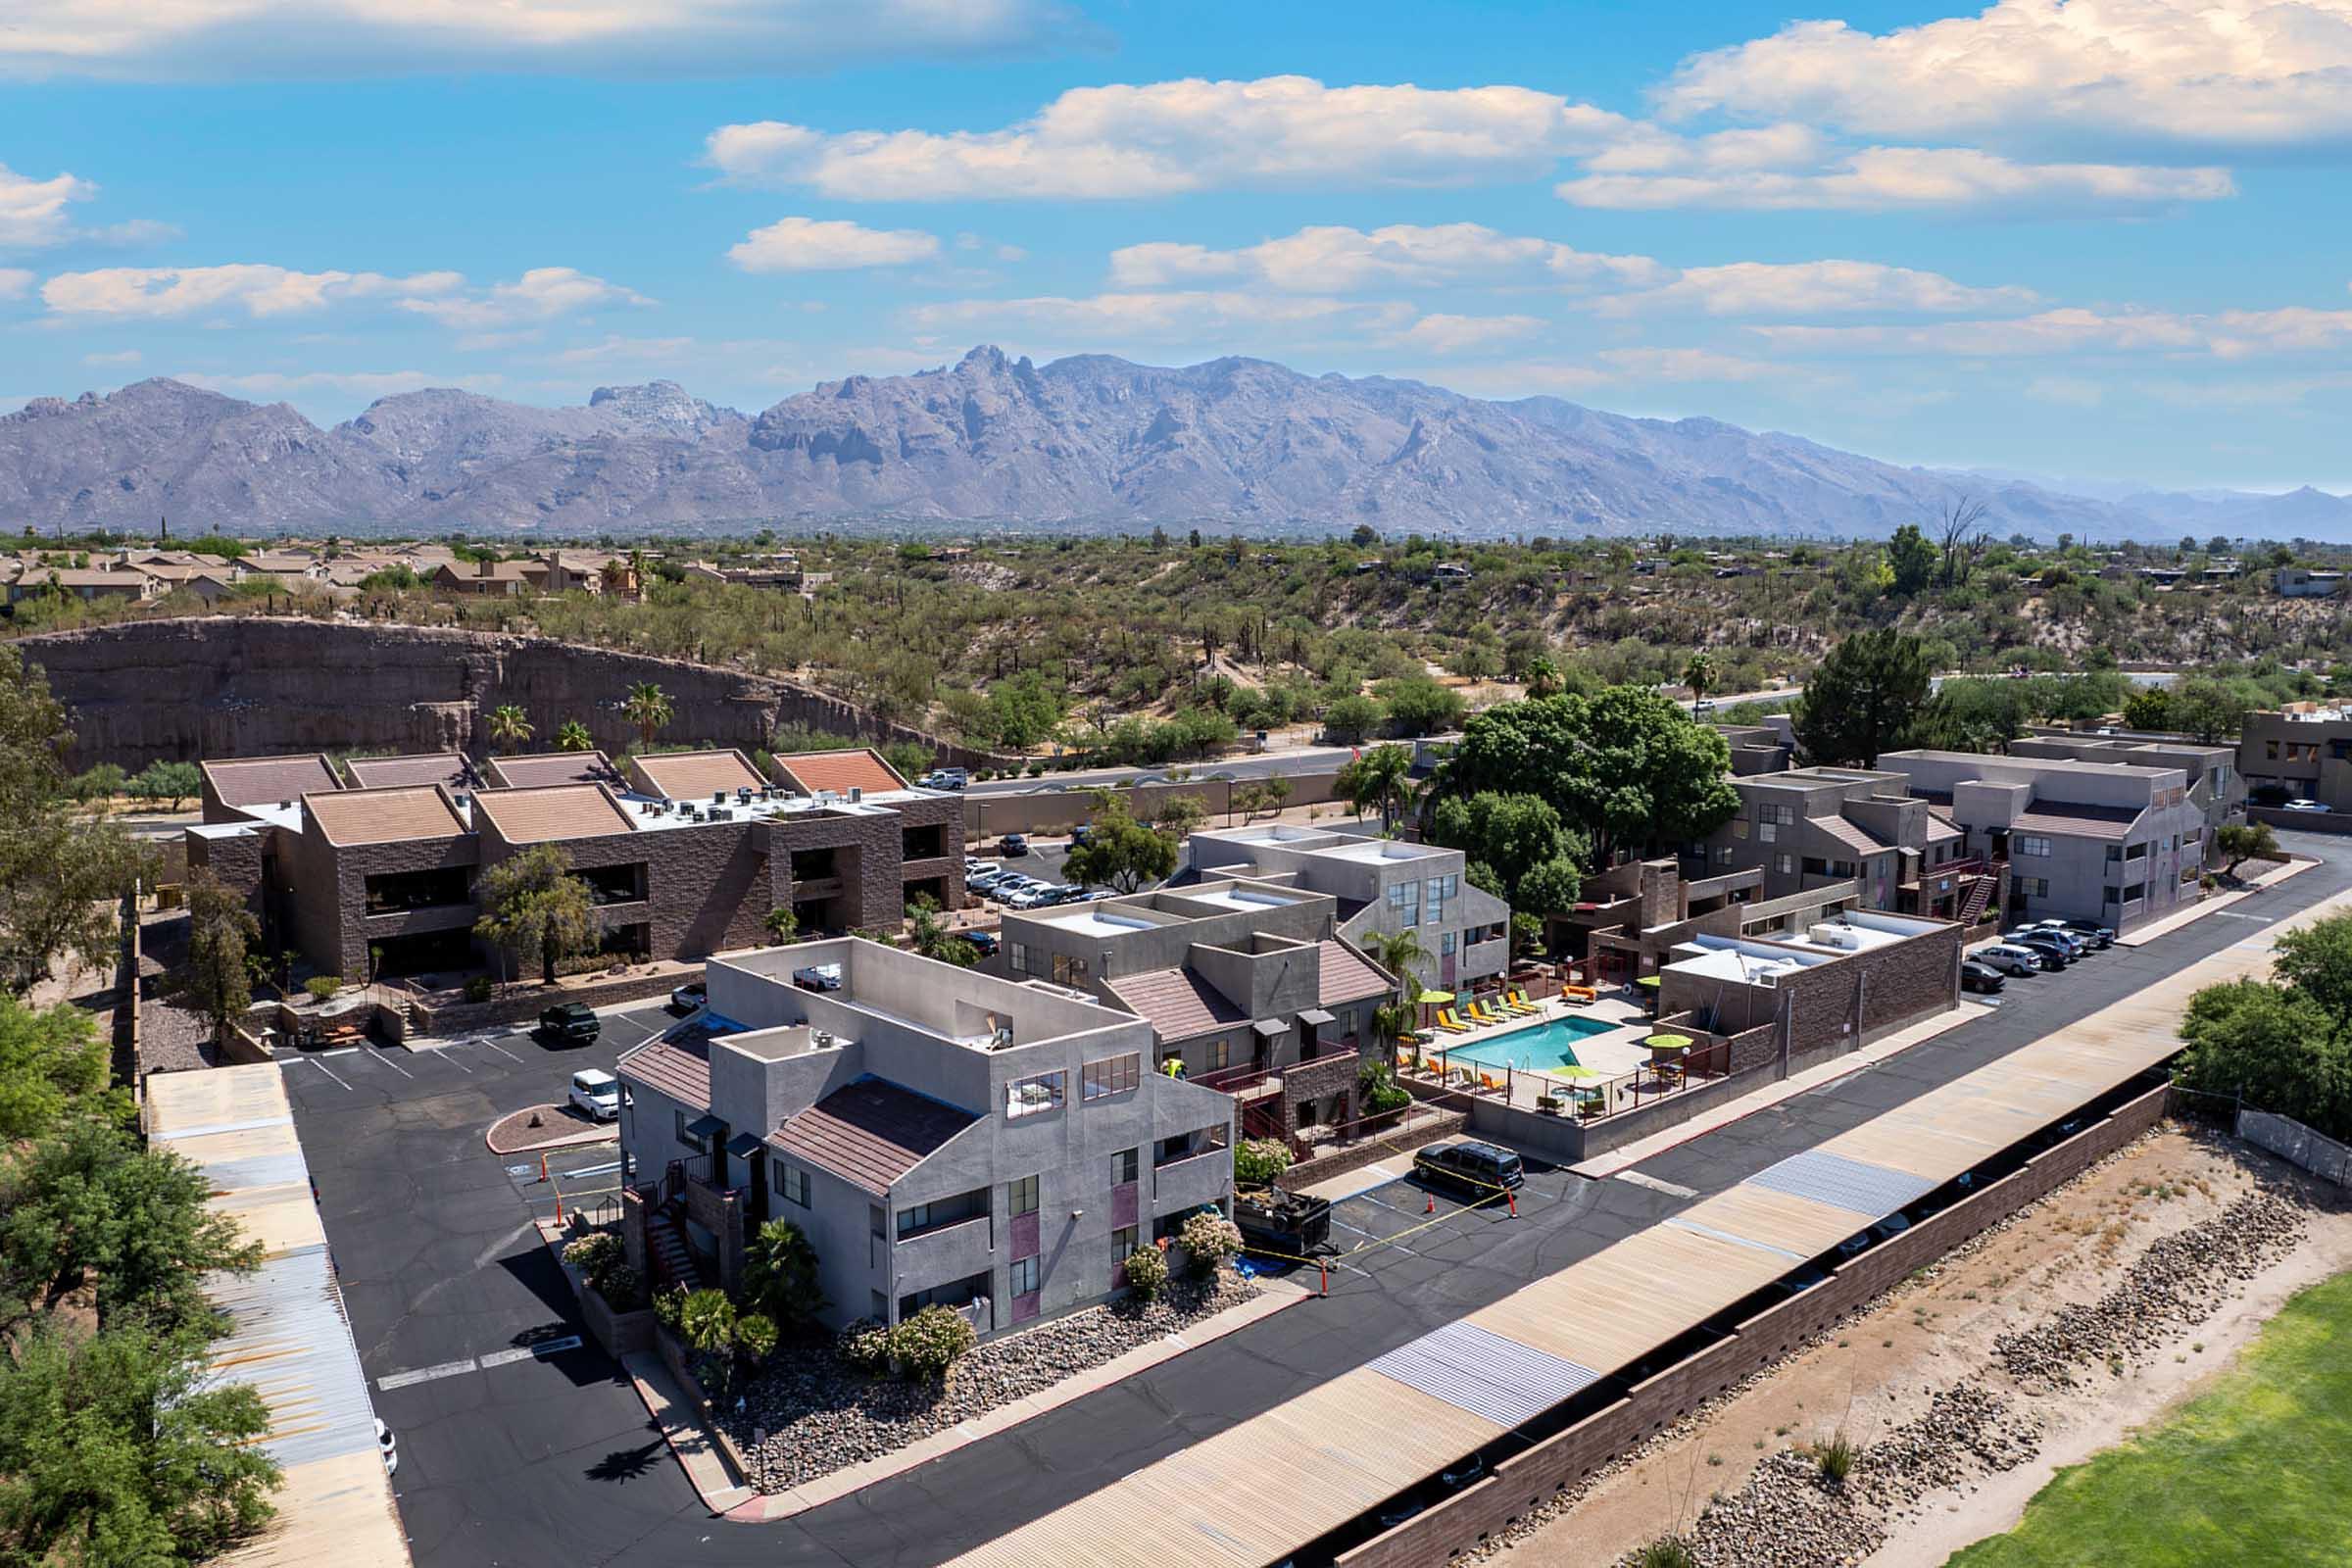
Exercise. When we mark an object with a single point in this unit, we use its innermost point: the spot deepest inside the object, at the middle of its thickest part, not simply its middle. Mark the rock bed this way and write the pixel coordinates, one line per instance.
(2177, 1281)
(814, 1414)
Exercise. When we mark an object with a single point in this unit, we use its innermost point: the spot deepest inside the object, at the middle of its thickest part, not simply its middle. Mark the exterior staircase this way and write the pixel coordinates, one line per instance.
(1980, 894)
(666, 1250)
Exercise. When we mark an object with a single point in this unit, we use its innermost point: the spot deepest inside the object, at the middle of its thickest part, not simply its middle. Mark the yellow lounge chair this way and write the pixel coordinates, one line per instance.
(1517, 1002)
(1450, 1024)
(1479, 1011)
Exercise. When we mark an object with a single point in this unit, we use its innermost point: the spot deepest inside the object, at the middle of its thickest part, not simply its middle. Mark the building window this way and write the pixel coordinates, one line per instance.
(685, 1137)
(1723, 855)
(1785, 865)
(1026, 1276)
(1778, 815)
(1124, 1241)
(1068, 971)
(1220, 1054)
(2031, 843)
(2136, 892)
(1020, 1197)
(2034, 887)
(1123, 1167)
(1113, 1075)
(1030, 1097)
(791, 1183)
(1016, 957)
(1404, 900)
(915, 1219)
(1768, 833)
(1445, 945)
(2271, 751)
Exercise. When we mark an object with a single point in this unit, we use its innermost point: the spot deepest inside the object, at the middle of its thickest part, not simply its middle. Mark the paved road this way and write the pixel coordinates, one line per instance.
(1236, 766)
(551, 1460)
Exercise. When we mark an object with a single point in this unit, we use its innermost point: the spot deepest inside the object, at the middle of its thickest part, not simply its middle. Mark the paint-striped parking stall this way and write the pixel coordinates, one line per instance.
(288, 1335)
(1344, 1473)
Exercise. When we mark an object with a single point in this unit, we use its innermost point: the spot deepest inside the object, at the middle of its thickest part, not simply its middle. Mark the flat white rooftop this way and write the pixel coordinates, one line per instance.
(1095, 923)
(1230, 898)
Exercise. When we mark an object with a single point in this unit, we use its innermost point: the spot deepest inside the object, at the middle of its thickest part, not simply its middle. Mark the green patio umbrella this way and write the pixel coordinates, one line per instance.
(1435, 998)
(1669, 1044)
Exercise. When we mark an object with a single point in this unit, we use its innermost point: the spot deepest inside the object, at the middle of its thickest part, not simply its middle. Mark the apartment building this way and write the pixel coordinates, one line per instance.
(1382, 886)
(1247, 984)
(2216, 783)
(684, 853)
(1833, 984)
(1768, 747)
(942, 1136)
(1811, 828)
(2112, 842)
(2302, 752)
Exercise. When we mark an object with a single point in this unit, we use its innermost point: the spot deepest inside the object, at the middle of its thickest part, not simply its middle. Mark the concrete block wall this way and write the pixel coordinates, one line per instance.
(1528, 1479)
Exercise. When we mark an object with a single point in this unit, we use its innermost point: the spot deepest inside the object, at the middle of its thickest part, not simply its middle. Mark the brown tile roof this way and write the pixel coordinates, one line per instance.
(549, 767)
(1347, 977)
(1848, 832)
(384, 816)
(268, 780)
(691, 775)
(433, 767)
(551, 812)
(1179, 1003)
(1939, 829)
(842, 772)
(2113, 822)
(679, 1069)
(870, 1133)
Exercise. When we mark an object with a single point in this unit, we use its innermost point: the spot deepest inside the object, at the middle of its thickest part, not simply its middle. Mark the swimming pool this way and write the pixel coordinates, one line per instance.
(1539, 1048)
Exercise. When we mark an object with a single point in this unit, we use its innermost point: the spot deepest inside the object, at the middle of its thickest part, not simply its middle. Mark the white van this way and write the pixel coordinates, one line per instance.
(597, 1093)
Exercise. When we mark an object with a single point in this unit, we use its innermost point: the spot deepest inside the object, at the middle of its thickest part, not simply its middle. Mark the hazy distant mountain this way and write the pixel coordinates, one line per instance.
(2304, 513)
(1084, 442)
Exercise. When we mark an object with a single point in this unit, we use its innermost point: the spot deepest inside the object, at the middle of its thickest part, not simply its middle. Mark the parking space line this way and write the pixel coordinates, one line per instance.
(329, 1072)
(386, 1062)
(423, 1374)
(450, 1059)
(504, 1051)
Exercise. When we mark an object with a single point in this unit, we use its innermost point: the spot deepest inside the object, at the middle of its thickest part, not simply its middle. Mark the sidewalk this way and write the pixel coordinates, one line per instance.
(707, 1469)
(1624, 1159)
(2205, 906)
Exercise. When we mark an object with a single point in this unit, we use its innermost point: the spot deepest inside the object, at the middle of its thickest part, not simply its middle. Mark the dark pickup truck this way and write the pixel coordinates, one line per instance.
(1275, 1221)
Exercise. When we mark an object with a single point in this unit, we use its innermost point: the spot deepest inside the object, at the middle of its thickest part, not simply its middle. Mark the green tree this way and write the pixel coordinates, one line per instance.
(1911, 558)
(1119, 852)
(1509, 834)
(780, 1273)
(2149, 707)
(781, 925)
(61, 873)
(2276, 1045)
(218, 974)
(51, 1060)
(1698, 674)
(173, 783)
(509, 725)
(649, 707)
(532, 903)
(2207, 709)
(573, 736)
(1024, 711)
(2316, 961)
(1402, 954)
(1864, 698)
(1352, 718)
(1418, 705)
(1551, 887)
(933, 940)
(2239, 842)
(1178, 815)
(1542, 676)
(1379, 779)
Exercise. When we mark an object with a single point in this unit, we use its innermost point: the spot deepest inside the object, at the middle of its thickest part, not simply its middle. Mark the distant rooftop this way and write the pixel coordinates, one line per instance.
(392, 816)
(841, 771)
(689, 775)
(550, 811)
(434, 768)
(268, 780)
(549, 767)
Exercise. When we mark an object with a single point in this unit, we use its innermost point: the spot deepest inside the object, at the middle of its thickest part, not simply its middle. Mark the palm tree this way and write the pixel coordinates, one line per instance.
(649, 707)
(1398, 952)
(616, 577)
(1699, 675)
(509, 725)
(1381, 777)
(573, 736)
(1542, 676)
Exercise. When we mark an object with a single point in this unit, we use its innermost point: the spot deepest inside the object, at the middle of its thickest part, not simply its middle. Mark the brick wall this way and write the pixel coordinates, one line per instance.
(1528, 1479)
(328, 883)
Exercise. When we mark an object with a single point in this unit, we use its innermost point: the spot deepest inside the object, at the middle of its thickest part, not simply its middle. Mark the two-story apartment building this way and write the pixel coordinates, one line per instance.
(1813, 828)
(2301, 752)
(1382, 885)
(2111, 842)
(2216, 784)
(942, 1136)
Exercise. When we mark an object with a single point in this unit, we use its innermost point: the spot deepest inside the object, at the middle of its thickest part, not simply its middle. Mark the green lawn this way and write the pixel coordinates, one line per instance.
(2256, 1472)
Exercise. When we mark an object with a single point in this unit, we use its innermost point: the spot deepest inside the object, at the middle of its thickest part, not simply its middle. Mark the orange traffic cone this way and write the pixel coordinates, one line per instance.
(1429, 1205)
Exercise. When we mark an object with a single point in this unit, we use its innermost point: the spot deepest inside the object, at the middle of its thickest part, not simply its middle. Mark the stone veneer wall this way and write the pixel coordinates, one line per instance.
(200, 687)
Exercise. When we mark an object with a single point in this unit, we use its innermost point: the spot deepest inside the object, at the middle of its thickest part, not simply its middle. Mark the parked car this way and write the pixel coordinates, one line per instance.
(2076, 946)
(388, 1445)
(1479, 1169)
(2307, 806)
(2088, 931)
(983, 881)
(945, 778)
(1015, 845)
(1982, 978)
(2010, 958)
(819, 977)
(973, 867)
(596, 1093)
(1081, 834)
(1891, 1225)
(984, 942)
(2054, 952)
(571, 1023)
(689, 996)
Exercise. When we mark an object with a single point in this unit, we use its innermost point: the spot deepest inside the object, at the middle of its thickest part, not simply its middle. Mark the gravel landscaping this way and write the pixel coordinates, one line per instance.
(812, 1413)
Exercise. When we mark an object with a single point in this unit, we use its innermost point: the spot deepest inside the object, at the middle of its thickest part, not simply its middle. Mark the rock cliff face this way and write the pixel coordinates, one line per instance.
(245, 687)
(1088, 441)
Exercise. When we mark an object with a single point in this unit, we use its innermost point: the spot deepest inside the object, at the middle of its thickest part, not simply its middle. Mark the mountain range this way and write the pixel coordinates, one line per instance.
(1086, 442)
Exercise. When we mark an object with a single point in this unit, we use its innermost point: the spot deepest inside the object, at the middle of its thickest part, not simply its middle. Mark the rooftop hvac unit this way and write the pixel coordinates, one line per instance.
(743, 795)
(821, 1039)
(1833, 936)
(464, 800)
(825, 796)
(857, 794)
(718, 796)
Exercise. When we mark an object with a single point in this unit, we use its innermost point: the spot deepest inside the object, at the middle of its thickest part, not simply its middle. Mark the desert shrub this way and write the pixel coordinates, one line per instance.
(1665, 1552)
(323, 986)
(1836, 1458)
(779, 1273)
(596, 1254)
(865, 1345)
(706, 1320)
(1209, 1238)
(621, 1287)
(756, 1335)
(1259, 1160)
(1379, 1090)
(479, 988)
(669, 1306)
(929, 1343)
(1146, 1271)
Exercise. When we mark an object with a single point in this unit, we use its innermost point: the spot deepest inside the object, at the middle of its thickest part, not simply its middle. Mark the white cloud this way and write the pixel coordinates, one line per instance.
(1163, 138)
(1896, 178)
(1806, 288)
(824, 245)
(14, 282)
(143, 39)
(539, 295)
(33, 211)
(1453, 334)
(2224, 334)
(121, 357)
(2193, 72)
(1344, 260)
(1175, 315)
(1684, 365)
(258, 290)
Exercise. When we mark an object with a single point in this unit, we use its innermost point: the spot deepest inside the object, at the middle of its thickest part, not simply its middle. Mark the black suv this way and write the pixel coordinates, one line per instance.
(572, 1023)
(1480, 1169)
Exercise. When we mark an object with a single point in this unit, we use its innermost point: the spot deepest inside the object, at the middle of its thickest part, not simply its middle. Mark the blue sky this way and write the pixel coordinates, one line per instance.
(2095, 238)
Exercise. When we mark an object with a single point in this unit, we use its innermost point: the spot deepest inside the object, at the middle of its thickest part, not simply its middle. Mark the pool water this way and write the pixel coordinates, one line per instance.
(1545, 1046)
